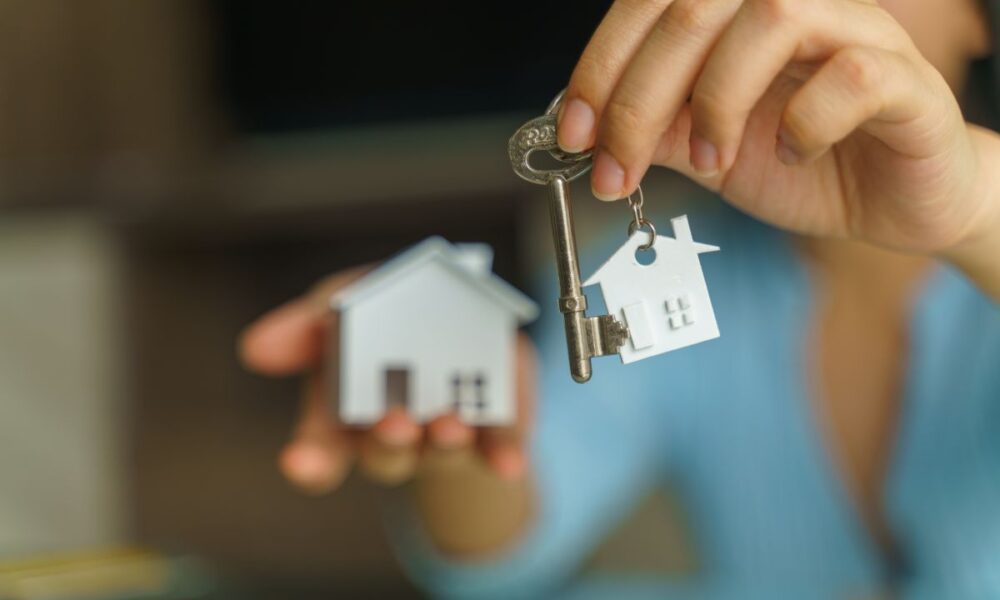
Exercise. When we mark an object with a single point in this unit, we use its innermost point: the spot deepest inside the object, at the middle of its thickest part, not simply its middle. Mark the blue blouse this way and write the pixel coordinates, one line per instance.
(729, 425)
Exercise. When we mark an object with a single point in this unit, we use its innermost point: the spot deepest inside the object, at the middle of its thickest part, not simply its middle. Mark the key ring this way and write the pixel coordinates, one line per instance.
(639, 221)
(636, 204)
(556, 102)
(636, 226)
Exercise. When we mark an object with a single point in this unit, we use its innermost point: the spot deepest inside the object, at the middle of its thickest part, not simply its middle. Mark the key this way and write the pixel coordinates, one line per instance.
(586, 337)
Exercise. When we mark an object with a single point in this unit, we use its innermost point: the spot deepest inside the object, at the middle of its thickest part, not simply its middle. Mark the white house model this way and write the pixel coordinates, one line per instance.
(665, 304)
(434, 330)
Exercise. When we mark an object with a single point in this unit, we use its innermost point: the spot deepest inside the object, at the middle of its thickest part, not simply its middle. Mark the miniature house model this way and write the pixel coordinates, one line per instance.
(434, 330)
(664, 304)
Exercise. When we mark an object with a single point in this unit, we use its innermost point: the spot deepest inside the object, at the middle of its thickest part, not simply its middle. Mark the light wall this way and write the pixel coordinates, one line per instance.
(61, 409)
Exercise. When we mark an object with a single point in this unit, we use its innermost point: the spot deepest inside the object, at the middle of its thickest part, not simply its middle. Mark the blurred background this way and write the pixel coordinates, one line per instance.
(169, 170)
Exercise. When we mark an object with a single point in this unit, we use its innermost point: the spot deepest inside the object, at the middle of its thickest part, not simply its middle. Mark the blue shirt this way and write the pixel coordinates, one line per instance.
(729, 425)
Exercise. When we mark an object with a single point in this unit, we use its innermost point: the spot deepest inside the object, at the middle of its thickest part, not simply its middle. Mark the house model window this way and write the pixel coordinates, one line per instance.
(469, 395)
(680, 311)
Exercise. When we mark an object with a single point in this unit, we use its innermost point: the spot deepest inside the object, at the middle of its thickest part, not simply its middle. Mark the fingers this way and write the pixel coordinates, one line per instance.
(506, 455)
(287, 340)
(763, 38)
(610, 49)
(390, 451)
(448, 432)
(291, 338)
(505, 448)
(319, 456)
(748, 57)
(722, 54)
(673, 149)
(450, 446)
(315, 468)
(652, 90)
(321, 452)
(856, 86)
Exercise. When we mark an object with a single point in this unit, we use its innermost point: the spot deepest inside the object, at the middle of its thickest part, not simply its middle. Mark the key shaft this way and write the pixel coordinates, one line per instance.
(572, 302)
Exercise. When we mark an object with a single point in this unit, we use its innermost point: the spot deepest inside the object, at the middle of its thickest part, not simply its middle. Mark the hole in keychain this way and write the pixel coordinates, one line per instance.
(645, 257)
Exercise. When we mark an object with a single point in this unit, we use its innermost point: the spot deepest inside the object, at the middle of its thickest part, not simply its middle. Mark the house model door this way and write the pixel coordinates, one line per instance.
(397, 387)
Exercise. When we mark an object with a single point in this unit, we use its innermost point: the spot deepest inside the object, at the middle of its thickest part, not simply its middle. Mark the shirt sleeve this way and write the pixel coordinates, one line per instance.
(595, 451)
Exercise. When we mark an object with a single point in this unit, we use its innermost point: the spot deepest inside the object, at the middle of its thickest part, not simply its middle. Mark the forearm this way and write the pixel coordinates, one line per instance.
(467, 510)
(979, 255)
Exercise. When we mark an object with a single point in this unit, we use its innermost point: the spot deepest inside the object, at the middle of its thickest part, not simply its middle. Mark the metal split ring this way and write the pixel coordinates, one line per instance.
(640, 224)
(553, 106)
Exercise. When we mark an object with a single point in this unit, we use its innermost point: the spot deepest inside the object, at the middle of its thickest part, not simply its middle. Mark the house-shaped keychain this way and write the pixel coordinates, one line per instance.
(432, 329)
(664, 303)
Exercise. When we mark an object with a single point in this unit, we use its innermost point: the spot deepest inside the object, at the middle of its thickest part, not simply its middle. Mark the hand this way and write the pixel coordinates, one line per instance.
(292, 339)
(817, 116)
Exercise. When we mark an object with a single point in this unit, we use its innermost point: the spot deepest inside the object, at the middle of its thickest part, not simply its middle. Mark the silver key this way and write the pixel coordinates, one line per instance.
(586, 337)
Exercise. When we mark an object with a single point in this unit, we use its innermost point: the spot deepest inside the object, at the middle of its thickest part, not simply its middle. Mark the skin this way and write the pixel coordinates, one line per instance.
(833, 119)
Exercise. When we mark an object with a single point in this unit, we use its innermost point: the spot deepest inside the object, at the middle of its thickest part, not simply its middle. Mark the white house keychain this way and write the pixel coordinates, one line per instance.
(656, 285)
(657, 304)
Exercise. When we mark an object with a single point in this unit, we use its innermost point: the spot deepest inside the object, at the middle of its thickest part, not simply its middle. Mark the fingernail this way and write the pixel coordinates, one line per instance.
(396, 430)
(608, 178)
(508, 463)
(704, 157)
(309, 468)
(576, 123)
(449, 433)
(785, 152)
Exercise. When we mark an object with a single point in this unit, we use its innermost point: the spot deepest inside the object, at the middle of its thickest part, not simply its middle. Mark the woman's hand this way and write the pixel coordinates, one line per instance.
(292, 339)
(817, 116)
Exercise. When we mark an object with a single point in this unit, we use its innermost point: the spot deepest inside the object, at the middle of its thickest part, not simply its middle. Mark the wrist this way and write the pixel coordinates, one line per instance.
(978, 253)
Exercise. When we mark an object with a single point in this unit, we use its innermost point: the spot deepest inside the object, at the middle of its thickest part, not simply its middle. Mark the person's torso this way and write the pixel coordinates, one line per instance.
(747, 454)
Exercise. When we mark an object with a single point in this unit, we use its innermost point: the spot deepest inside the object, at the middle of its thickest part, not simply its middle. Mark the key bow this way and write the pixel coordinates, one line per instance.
(539, 134)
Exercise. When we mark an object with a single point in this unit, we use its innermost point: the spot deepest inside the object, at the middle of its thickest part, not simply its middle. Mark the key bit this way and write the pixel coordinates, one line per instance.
(606, 335)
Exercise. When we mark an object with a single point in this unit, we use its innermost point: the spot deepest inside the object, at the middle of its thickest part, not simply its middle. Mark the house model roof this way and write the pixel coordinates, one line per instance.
(470, 263)
(681, 242)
